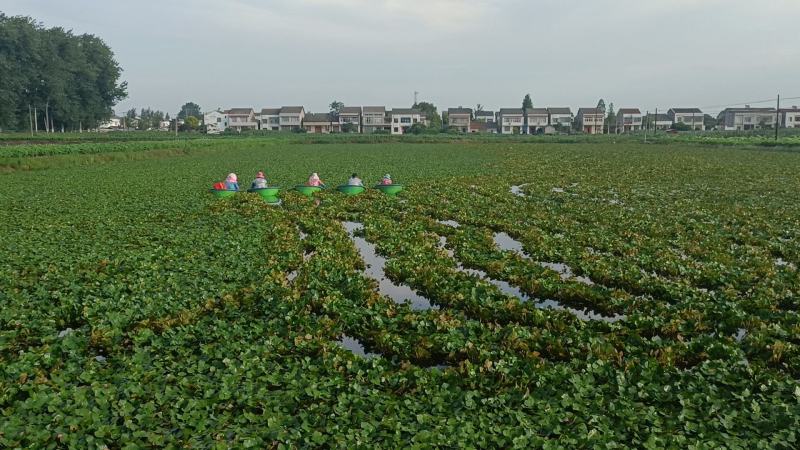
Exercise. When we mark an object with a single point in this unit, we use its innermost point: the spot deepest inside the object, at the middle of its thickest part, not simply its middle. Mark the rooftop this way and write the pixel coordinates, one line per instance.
(459, 110)
(291, 110)
(240, 111)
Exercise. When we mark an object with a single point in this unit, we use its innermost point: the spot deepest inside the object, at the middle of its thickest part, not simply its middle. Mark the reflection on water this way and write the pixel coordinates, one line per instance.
(506, 242)
(449, 223)
(517, 190)
(375, 265)
(355, 346)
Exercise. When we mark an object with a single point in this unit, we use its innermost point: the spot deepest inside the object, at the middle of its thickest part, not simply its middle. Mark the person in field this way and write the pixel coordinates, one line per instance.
(354, 180)
(260, 182)
(232, 182)
(314, 180)
(387, 179)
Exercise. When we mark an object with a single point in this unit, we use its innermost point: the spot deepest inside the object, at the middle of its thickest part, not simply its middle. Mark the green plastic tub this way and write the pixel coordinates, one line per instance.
(267, 193)
(351, 190)
(222, 193)
(390, 189)
(308, 191)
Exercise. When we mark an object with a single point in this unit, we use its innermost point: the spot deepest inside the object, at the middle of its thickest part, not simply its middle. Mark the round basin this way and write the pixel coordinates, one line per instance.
(222, 193)
(267, 193)
(308, 191)
(351, 190)
(390, 189)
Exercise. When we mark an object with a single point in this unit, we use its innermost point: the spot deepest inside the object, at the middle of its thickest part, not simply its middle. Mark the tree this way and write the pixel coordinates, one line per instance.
(417, 128)
(193, 122)
(527, 102)
(601, 105)
(130, 119)
(336, 108)
(611, 118)
(73, 80)
(680, 126)
(710, 122)
(429, 109)
(348, 127)
(189, 109)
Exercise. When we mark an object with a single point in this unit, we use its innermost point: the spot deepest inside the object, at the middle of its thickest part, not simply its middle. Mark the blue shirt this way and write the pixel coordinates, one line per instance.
(231, 186)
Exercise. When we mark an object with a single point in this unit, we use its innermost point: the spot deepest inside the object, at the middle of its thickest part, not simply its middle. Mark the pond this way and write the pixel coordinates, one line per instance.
(375, 265)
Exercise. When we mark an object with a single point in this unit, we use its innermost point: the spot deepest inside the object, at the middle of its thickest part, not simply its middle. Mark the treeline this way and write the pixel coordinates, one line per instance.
(51, 79)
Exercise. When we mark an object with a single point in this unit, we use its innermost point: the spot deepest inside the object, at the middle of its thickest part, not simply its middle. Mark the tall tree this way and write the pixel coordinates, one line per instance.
(601, 105)
(336, 108)
(72, 79)
(189, 109)
(431, 113)
(527, 104)
(611, 118)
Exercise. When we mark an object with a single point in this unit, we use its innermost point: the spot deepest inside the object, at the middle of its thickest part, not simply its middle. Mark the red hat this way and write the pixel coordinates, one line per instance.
(260, 175)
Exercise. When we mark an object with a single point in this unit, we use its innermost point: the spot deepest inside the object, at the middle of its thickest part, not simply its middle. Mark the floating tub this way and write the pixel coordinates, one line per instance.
(222, 193)
(351, 190)
(308, 191)
(270, 194)
(390, 189)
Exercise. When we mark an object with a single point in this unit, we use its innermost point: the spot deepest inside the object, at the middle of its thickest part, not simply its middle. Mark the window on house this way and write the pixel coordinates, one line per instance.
(396, 129)
(405, 120)
(395, 121)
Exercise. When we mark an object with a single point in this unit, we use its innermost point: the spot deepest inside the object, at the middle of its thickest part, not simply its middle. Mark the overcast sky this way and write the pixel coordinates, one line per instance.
(261, 53)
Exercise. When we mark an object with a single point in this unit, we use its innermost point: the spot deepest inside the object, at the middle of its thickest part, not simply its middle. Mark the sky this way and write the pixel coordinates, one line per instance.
(268, 53)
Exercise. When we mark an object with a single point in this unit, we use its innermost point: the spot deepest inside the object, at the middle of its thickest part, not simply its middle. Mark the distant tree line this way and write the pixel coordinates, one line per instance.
(51, 79)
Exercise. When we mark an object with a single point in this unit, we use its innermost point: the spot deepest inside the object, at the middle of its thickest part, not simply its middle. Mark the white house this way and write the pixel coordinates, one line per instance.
(242, 119)
(692, 117)
(484, 116)
(560, 116)
(291, 117)
(373, 118)
(215, 121)
(459, 118)
(402, 119)
(112, 123)
(661, 121)
(538, 119)
(747, 118)
(269, 119)
(790, 117)
(628, 120)
(510, 120)
(349, 115)
(590, 120)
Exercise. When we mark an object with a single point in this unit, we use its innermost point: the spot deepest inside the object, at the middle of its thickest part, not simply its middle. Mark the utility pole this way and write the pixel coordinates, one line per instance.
(30, 118)
(415, 97)
(655, 122)
(35, 120)
(777, 117)
(645, 128)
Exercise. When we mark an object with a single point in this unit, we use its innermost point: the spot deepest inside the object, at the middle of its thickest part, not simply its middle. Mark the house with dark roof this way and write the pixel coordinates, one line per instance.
(590, 120)
(403, 118)
(560, 116)
(318, 123)
(459, 118)
(659, 121)
(374, 118)
(790, 117)
(747, 118)
(692, 117)
(291, 117)
(484, 116)
(510, 120)
(629, 120)
(242, 119)
(538, 120)
(349, 115)
(269, 119)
